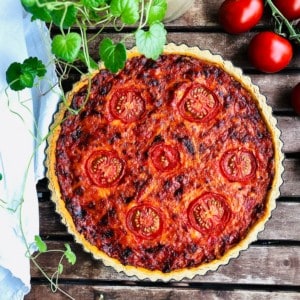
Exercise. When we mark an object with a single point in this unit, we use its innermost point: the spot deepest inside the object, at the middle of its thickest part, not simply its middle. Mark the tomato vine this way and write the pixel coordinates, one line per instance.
(283, 26)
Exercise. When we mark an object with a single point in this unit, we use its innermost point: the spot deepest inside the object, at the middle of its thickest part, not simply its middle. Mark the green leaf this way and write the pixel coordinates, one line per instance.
(66, 46)
(20, 76)
(65, 16)
(37, 11)
(60, 268)
(92, 3)
(13, 74)
(91, 65)
(1, 176)
(151, 43)
(113, 55)
(157, 11)
(16, 78)
(70, 255)
(42, 247)
(28, 3)
(127, 10)
(34, 66)
(26, 79)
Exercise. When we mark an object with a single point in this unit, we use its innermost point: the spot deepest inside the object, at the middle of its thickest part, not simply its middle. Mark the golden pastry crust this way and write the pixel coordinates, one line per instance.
(188, 272)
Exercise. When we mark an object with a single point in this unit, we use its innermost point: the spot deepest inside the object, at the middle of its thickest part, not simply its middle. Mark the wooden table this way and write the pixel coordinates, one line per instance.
(270, 268)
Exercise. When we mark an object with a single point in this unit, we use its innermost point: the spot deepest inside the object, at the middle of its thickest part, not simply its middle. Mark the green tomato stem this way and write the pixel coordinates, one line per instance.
(281, 19)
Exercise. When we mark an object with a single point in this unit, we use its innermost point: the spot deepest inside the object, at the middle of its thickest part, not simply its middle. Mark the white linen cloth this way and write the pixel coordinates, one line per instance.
(25, 117)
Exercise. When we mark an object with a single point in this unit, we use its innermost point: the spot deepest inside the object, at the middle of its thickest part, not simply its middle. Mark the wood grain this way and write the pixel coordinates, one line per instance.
(230, 47)
(113, 292)
(256, 265)
(270, 268)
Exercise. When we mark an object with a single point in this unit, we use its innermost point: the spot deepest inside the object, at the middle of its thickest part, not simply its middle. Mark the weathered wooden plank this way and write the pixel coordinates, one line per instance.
(112, 292)
(281, 226)
(277, 89)
(291, 178)
(141, 293)
(257, 265)
(290, 128)
(50, 223)
(78, 292)
(230, 47)
(201, 14)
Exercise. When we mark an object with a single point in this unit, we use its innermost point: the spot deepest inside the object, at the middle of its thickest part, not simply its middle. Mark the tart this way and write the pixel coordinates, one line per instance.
(168, 168)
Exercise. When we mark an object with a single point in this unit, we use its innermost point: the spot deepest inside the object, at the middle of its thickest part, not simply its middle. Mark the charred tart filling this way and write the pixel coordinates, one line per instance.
(167, 165)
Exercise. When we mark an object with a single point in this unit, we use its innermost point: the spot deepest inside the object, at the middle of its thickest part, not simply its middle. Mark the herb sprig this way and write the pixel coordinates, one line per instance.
(67, 254)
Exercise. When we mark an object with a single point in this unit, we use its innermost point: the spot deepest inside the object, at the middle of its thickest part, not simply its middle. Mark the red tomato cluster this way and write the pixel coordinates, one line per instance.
(268, 51)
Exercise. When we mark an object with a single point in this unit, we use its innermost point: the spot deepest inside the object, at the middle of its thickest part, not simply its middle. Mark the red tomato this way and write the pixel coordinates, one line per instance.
(164, 157)
(237, 16)
(198, 104)
(209, 213)
(238, 165)
(127, 105)
(289, 8)
(104, 168)
(270, 52)
(144, 221)
(296, 98)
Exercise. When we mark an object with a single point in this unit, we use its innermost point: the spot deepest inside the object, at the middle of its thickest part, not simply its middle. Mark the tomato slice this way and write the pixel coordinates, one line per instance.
(104, 168)
(144, 221)
(238, 165)
(164, 157)
(198, 104)
(209, 213)
(127, 105)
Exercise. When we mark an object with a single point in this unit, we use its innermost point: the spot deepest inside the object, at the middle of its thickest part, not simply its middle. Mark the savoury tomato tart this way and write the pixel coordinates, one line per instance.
(168, 168)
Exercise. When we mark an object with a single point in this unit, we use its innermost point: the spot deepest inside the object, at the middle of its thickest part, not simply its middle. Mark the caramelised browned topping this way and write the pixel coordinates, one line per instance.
(168, 163)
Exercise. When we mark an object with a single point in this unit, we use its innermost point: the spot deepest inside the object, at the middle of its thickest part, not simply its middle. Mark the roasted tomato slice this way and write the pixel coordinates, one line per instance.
(104, 168)
(127, 105)
(144, 221)
(238, 165)
(164, 157)
(209, 213)
(198, 104)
